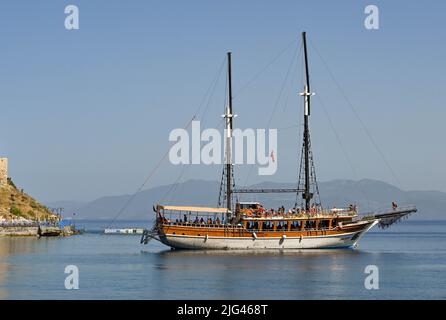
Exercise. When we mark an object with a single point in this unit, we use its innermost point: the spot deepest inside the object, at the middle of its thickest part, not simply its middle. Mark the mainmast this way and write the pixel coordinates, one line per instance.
(229, 116)
(307, 195)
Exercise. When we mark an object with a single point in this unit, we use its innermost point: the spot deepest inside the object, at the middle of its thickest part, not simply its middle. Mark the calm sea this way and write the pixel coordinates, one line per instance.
(410, 256)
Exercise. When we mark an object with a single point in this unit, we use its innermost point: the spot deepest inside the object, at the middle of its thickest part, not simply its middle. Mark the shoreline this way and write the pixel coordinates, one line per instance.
(19, 231)
(36, 231)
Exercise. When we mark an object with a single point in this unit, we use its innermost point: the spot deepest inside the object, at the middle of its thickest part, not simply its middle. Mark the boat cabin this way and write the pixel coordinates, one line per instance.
(251, 216)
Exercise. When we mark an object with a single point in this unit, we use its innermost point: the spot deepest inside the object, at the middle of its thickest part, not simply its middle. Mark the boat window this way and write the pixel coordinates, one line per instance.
(248, 205)
(282, 226)
(296, 225)
(252, 225)
(268, 225)
(310, 224)
(323, 224)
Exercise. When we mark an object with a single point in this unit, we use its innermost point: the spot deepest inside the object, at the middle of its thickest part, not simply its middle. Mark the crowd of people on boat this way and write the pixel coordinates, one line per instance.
(293, 225)
(271, 225)
(260, 211)
(197, 221)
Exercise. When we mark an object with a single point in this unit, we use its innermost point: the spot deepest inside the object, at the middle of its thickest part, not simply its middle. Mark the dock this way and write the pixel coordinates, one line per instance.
(125, 231)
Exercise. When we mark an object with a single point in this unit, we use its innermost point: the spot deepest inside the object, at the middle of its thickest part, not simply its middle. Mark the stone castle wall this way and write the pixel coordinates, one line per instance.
(3, 172)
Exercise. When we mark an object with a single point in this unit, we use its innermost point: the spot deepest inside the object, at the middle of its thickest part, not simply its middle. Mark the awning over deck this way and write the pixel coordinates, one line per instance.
(193, 209)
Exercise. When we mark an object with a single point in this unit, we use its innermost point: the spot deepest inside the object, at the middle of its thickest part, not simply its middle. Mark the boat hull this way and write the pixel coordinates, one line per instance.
(340, 240)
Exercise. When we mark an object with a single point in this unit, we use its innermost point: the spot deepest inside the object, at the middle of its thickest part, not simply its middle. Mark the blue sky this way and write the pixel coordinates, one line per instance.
(87, 113)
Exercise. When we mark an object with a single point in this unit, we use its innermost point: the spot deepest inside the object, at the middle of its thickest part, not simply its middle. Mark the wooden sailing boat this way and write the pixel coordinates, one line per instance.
(248, 226)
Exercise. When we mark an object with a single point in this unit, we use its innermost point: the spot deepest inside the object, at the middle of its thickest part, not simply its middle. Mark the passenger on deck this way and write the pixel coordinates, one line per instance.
(217, 221)
(202, 220)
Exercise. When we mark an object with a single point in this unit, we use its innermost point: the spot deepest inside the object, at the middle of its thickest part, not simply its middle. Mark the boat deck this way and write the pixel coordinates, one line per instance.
(303, 216)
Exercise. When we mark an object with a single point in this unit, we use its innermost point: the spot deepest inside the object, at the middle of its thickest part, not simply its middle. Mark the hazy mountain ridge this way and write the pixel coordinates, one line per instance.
(369, 195)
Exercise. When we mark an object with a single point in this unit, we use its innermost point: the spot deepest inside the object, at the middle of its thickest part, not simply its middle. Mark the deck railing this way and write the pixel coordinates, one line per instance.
(241, 227)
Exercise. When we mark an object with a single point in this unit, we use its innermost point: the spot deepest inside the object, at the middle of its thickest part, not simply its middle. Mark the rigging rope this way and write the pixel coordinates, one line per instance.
(249, 82)
(145, 181)
(355, 112)
(168, 149)
(293, 60)
(341, 145)
(209, 99)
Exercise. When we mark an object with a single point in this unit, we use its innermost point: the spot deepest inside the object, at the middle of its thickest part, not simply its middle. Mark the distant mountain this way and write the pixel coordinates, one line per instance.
(368, 194)
(68, 206)
(139, 206)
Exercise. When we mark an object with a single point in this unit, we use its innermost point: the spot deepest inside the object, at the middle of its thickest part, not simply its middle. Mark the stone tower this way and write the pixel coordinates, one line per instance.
(3, 172)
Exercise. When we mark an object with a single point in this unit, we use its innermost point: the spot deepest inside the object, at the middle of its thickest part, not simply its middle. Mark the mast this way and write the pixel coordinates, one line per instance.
(307, 195)
(229, 117)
